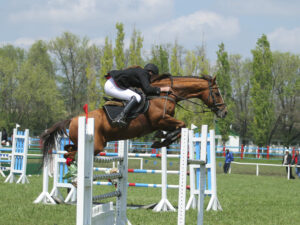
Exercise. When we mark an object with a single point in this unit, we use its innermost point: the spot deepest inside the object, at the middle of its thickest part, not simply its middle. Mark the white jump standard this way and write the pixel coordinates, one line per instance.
(99, 214)
(17, 158)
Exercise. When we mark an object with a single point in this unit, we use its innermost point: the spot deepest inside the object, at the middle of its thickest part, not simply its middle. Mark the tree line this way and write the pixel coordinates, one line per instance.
(52, 80)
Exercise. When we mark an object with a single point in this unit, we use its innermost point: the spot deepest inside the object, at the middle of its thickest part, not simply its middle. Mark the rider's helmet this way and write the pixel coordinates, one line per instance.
(151, 67)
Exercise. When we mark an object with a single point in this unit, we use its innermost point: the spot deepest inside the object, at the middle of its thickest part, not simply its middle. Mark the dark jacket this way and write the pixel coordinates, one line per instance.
(134, 77)
(4, 135)
(289, 159)
(229, 157)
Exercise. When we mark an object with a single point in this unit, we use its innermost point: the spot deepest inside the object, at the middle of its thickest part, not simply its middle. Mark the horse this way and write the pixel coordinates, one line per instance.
(158, 117)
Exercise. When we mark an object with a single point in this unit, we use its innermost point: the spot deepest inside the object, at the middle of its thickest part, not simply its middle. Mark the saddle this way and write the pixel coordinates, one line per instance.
(113, 107)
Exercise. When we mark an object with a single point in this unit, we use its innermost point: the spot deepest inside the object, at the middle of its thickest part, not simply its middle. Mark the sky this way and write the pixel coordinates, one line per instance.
(236, 23)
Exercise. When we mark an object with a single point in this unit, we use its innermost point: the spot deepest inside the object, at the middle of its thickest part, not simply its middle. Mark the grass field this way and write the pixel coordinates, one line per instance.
(269, 199)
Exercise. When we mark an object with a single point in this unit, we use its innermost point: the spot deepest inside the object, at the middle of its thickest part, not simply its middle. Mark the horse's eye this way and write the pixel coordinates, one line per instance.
(217, 94)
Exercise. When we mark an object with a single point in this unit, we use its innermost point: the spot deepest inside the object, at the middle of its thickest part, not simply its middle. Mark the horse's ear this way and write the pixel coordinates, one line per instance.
(214, 79)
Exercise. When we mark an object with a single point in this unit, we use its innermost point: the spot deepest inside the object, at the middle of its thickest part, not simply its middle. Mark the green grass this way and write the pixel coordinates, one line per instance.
(245, 199)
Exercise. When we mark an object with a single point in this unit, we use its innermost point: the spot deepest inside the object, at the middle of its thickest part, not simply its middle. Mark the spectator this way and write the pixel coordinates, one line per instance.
(4, 136)
(287, 160)
(228, 160)
(296, 161)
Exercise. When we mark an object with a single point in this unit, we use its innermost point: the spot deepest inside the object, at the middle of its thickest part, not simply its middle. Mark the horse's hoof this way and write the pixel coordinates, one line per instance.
(156, 144)
(159, 134)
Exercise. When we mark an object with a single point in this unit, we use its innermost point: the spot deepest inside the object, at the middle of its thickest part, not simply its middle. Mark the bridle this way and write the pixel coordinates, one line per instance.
(213, 108)
(215, 105)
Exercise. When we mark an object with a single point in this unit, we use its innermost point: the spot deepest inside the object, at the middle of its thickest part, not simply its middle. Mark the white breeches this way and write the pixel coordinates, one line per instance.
(113, 90)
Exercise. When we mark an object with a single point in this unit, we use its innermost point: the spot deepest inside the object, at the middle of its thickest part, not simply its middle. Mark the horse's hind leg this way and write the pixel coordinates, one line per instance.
(99, 143)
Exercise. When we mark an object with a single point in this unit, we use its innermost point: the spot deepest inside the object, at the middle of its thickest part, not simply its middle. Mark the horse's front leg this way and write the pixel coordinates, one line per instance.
(169, 123)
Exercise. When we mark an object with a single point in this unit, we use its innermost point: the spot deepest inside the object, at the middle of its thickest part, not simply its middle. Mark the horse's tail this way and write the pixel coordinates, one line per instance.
(50, 136)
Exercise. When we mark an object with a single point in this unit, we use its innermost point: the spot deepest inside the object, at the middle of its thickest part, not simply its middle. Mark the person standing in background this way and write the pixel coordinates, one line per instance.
(228, 159)
(287, 160)
(296, 162)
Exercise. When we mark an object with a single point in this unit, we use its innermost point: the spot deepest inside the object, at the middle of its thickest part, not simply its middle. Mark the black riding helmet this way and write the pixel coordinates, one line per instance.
(151, 67)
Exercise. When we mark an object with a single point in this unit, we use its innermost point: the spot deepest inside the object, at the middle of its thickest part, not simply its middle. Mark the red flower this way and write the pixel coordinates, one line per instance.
(69, 161)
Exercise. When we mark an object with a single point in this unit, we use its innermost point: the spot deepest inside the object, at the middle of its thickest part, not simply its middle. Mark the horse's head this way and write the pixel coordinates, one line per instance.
(213, 98)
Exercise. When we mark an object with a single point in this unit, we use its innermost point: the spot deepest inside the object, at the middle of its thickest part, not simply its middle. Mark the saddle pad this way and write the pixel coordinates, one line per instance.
(112, 111)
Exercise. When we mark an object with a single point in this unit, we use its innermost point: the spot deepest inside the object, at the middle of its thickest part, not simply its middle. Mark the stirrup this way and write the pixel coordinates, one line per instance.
(119, 121)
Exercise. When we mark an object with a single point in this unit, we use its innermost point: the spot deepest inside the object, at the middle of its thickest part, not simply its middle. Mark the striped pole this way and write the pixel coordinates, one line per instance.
(140, 171)
(170, 186)
(141, 155)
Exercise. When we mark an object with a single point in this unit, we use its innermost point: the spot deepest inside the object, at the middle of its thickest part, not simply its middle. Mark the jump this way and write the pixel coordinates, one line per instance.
(157, 117)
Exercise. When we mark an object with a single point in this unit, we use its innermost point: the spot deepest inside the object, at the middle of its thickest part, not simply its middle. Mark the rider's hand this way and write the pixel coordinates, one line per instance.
(165, 89)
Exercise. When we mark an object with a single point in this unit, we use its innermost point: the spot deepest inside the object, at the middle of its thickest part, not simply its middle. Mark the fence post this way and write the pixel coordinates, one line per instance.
(268, 152)
(116, 146)
(293, 152)
(224, 154)
(258, 152)
(242, 152)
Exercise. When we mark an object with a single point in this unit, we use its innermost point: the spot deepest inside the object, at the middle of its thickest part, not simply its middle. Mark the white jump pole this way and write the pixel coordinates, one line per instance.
(182, 176)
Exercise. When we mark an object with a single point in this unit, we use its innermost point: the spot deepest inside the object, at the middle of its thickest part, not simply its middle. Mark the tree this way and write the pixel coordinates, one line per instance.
(202, 66)
(106, 62)
(119, 48)
(93, 78)
(38, 55)
(71, 59)
(240, 72)
(260, 92)
(175, 66)
(190, 63)
(136, 45)
(160, 57)
(286, 92)
(224, 83)
(11, 60)
(39, 107)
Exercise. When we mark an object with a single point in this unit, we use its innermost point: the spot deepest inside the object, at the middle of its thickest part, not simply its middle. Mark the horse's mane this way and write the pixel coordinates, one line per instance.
(160, 77)
(133, 67)
(168, 75)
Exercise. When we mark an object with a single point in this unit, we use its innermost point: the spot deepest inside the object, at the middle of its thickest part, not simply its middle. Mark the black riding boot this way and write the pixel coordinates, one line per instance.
(120, 119)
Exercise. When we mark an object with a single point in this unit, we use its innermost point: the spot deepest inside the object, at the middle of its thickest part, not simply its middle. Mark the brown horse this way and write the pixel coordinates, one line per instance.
(158, 117)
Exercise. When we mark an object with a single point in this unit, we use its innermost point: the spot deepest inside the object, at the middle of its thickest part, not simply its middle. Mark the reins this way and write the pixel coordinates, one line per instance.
(195, 103)
(166, 97)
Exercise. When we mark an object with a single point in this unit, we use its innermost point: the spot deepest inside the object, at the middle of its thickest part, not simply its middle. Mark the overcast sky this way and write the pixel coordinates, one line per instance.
(236, 23)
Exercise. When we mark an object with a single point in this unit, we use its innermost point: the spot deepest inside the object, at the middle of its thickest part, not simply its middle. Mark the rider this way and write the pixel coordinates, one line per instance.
(118, 84)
